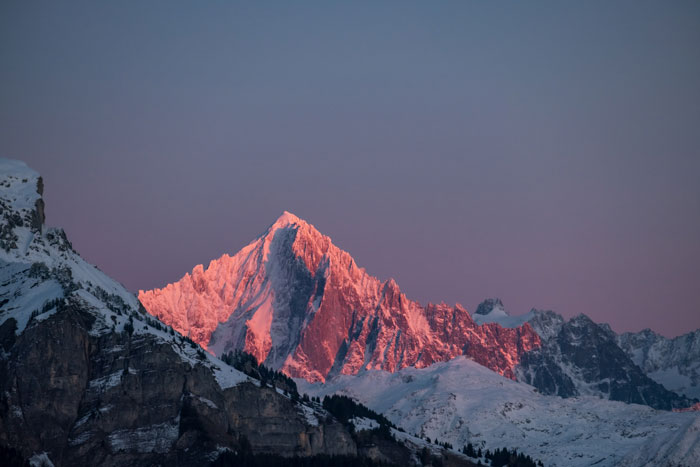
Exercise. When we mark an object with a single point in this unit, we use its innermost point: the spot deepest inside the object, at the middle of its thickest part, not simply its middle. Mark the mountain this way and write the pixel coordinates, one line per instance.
(462, 402)
(675, 363)
(581, 357)
(492, 310)
(300, 304)
(88, 378)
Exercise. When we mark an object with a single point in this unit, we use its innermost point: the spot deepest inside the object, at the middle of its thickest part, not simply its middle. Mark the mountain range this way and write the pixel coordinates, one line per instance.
(187, 374)
(302, 305)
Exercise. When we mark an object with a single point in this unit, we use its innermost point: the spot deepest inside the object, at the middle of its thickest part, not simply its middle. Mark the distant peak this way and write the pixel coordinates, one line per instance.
(490, 304)
(581, 319)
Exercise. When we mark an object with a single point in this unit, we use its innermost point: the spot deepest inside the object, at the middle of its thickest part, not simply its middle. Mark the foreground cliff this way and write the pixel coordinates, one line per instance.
(88, 378)
(300, 304)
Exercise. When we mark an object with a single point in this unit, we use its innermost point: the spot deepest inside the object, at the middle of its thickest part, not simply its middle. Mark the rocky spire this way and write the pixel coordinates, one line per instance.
(300, 304)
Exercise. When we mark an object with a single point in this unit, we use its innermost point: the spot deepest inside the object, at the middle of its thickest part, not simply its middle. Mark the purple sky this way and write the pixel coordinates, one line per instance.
(545, 153)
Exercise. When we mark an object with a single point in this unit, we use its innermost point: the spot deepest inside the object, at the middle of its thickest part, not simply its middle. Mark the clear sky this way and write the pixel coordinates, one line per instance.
(547, 153)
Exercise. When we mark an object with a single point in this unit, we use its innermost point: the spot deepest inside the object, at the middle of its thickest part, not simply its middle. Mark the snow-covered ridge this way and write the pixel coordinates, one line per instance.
(40, 273)
(460, 402)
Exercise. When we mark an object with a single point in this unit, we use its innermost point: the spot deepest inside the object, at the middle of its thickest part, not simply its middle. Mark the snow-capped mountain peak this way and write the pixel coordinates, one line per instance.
(286, 219)
(299, 303)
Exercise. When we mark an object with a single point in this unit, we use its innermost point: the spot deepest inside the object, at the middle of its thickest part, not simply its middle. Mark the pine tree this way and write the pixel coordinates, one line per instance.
(424, 456)
(470, 450)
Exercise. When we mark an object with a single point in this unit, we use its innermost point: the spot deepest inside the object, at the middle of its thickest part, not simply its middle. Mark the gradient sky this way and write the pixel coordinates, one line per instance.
(547, 153)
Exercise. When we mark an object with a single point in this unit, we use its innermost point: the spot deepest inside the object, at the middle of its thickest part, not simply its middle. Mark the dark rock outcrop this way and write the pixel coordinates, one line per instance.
(488, 305)
(675, 362)
(581, 357)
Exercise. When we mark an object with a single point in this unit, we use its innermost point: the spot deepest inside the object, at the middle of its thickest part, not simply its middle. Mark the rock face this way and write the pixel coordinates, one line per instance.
(302, 305)
(675, 363)
(88, 378)
(580, 357)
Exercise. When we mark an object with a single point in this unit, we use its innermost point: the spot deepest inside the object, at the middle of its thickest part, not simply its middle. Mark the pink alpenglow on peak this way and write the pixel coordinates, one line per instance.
(287, 218)
(300, 304)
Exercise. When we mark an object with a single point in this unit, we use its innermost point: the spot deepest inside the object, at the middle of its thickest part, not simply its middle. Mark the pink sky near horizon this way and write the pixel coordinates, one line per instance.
(546, 156)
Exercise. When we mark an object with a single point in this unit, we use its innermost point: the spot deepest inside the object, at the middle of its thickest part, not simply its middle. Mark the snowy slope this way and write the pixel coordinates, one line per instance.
(460, 402)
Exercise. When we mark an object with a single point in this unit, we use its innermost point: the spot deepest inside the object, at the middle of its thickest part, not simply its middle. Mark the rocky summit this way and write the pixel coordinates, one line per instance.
(300, 304)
